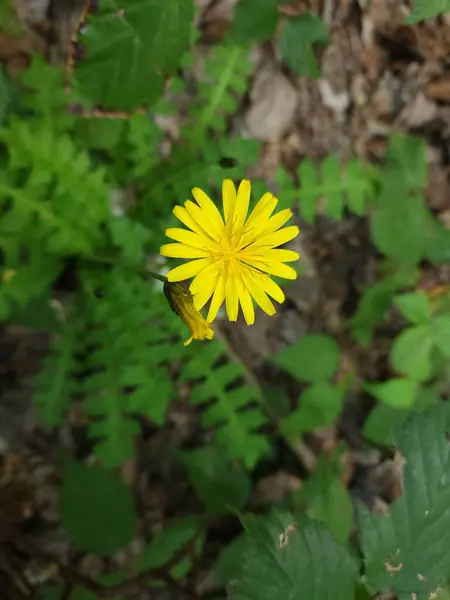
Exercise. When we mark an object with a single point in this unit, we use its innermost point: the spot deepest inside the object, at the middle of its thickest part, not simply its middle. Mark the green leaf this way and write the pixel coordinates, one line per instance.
(254, 21)
(96, 509)
(313, 358)
(382, 423)
(411, 352)
(427, 9)
(406, 552)
(285, 559)
(397, 393)
(221, 486)
(383, 420)
(441, 333)
(131, 237)
(297, 38)
(374, 304)
(415, 307)
(129, 49)
(398, 224)
(325, 497)
(230, 560)
(168, 542)
(319, 406)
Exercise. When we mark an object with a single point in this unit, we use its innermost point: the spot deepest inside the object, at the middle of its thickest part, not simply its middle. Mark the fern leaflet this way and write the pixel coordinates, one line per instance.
(221, 382)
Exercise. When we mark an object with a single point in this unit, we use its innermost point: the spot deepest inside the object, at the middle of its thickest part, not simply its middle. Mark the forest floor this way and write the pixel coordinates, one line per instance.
(378, 76)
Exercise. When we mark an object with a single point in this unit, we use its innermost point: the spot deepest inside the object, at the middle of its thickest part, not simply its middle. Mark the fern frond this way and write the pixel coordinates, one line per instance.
(55, 383)
(25, 273)
(227, 69)
(233, 406)
(50, 190)
(130, 334)
(351, 185)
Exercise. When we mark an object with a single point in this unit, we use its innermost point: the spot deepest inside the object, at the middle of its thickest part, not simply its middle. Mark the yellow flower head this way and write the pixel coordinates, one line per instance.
(181, 302)
(234, 255)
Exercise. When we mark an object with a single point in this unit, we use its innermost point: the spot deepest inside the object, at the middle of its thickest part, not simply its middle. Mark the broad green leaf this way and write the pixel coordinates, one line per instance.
(324, 497)
(397, 393)
(254, 21)
(297, 39)
(314, 358)
(129, 48)
(415, 307)
(441, 333)
(411, 352)
(406, 552)
(398, 224)
(221, 487)
(427, 9)
(319, 406)
(96, 509)
(293, 561)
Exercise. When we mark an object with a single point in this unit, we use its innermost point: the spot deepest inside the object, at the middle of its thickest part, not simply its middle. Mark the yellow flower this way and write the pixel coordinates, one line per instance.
(235, 255)
(181, 302)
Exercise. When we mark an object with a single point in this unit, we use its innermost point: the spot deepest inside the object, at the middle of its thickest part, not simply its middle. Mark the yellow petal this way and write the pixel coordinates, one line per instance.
(255, 288)
(209, 208)
(262, 211)
(204, 285)
(191, 239)
(182, 251)
(231, 298)
(273, 268)
(188, 341)
(246, 303)
(229, 200)
(241, 208)
(182, 215)
(277, 238)
(272, 289)
(217, 299)
(188, 270)
(204, 221)
(273, 255)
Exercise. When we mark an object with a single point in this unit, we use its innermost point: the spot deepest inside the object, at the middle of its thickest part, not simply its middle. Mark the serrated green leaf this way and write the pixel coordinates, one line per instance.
(254, 21)
(415, 307)
(129, 49)
(218, 484)
(427, 9)
(96, 509)
(285, 559)
(314, 358)
(411, 352)
(397, 393)
(296, 43)
(319, 406)
(406, 552)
